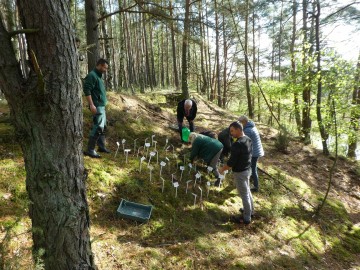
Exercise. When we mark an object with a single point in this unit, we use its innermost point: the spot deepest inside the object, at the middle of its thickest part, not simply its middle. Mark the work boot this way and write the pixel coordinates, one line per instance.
(91, 148)
(101, 145)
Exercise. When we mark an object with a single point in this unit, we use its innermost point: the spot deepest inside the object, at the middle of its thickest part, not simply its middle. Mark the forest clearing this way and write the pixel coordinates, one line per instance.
(179, 235)
(93, 97)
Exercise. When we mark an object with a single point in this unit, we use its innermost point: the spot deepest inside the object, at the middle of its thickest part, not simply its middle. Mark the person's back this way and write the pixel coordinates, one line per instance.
(205, 148)
(251, 131)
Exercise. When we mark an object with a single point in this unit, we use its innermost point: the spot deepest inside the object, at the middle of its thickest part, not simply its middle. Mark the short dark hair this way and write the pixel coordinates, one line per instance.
(102, 61)
(236, 125)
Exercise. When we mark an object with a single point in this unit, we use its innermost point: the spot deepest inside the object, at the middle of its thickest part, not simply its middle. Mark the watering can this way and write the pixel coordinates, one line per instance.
(185, 132)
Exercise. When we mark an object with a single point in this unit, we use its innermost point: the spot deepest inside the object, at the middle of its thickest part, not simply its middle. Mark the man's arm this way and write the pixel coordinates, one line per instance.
(91, 104)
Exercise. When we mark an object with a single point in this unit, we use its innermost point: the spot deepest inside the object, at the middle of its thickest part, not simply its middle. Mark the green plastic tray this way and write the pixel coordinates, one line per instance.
(134, 211)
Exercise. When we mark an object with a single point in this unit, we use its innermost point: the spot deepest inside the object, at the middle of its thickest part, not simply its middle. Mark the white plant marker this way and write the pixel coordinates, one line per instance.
(135, 145)
(118, 145)
(182, 168)
(168, 160)
(195, 195)
(163, 185)
(127, 154)
(150, 168)
(151, 155)
(152, 139)
(123, 144)
(198, 176)
(190, 166)
(157, 157)
(210, 169)
(138, 151)
(166, 143)
(145, 141)
(173, 149)
(162, 164)
(147, 145)
(154, 143)
(187, 185)
(176, 185)
(173, 177)
(208, 188)
(221, 177)
(141, 161)
(200, 193)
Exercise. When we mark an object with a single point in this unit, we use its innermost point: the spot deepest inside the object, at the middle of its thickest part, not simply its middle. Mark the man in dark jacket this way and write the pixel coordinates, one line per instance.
(225, 138)
(95, 93)
(240, 163)
(251, 131)
(186, 108)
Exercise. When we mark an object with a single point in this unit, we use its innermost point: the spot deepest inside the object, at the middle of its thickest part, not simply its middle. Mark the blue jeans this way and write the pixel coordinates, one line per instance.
(242, 184)
(99, 122)
(254, 172)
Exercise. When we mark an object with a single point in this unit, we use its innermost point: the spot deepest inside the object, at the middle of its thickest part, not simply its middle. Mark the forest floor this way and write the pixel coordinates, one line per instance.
(284, 234)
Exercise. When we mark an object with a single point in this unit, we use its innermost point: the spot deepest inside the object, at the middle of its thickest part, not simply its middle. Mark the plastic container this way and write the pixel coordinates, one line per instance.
(134, 211)
(185, 132)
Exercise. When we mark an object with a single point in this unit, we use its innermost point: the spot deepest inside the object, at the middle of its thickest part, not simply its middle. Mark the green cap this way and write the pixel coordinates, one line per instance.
(185, 132)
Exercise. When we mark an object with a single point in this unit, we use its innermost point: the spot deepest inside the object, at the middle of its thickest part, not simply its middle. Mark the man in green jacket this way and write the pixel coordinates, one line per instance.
(95, 93)
(206, 148)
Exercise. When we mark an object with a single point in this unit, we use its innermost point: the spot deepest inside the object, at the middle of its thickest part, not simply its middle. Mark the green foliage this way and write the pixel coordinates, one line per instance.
(282, 141)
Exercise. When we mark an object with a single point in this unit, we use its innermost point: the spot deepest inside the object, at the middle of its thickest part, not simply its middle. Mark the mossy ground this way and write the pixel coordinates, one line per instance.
(180, 235)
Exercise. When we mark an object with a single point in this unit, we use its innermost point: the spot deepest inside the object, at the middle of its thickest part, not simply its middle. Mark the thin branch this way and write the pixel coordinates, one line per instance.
(339, 10)
(116, 12)
(23, 31)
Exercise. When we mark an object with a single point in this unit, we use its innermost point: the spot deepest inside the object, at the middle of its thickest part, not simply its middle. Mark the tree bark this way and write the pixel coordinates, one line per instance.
(306, 94)
(323, 132)
(217, 55)
(293, 69)
(246, 44)
(47, 114)
(185, 44)
(355, 114)
(173, 47)
(92, 33)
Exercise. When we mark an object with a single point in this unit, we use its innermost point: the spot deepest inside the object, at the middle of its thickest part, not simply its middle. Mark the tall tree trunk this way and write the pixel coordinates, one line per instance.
(47, 114)
(167, 72)
(152, 58)
(225, 66)
(204, 85)
(173, 47)
(323, 132)
(217, 54)
(355, 114)
(162, 51)
(92, 33)
(293, 68)
(246, 44)
(107, 49)
(185, 44)
(306, 120)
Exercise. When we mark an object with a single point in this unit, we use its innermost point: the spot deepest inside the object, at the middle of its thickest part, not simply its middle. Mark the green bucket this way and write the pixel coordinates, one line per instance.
(185, 132)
